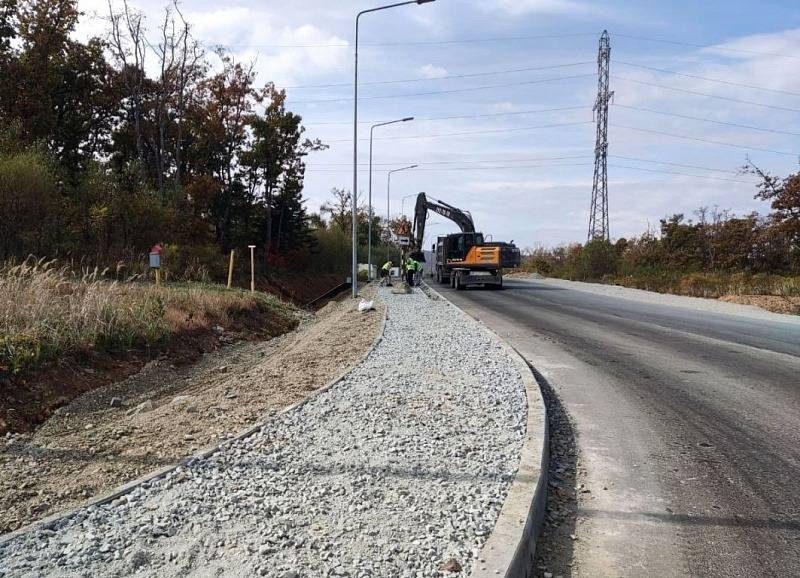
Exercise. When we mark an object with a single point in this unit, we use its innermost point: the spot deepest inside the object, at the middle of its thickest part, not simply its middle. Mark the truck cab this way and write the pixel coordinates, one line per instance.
(464, 259)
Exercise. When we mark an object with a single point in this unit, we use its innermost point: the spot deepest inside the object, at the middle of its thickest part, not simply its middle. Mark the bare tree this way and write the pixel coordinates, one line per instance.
(189, 71)
(126, 41)
(178, 56)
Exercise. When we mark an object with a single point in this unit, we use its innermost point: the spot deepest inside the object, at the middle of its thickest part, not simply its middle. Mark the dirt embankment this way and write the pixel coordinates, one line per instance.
(165, 412)
(28, 400)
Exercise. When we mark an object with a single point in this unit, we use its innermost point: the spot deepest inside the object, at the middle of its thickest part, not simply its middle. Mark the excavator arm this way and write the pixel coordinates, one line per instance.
(461, 218)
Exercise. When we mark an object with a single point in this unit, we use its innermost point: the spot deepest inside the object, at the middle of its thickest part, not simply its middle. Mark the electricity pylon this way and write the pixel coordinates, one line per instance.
(598, 217)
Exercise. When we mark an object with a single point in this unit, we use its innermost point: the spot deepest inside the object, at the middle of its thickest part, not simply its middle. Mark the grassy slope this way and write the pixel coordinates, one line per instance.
(47, 313)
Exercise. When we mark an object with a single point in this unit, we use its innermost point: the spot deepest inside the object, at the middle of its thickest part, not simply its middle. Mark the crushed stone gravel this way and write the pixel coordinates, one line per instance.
(398, 470)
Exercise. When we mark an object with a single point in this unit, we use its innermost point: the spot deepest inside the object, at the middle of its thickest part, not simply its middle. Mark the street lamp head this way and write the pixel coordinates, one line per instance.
(424, 1)
(413, 166)
(408, 118)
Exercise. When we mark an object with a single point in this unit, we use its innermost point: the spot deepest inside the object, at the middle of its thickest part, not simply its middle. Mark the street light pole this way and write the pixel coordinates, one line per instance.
(369, 225)
(388, 189)
(403, 203)
(355, 138)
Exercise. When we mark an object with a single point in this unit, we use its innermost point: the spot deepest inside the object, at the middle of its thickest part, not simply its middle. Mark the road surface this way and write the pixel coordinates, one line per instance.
(688, 427)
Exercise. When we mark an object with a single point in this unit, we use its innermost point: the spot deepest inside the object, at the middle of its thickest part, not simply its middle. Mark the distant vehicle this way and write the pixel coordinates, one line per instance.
(465, 258)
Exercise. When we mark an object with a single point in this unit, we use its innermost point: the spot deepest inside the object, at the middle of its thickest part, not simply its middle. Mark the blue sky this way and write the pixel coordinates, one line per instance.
(519, 154)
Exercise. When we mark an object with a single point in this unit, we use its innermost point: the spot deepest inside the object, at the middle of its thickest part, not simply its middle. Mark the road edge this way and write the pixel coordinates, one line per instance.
(510, 550)
(51, 521)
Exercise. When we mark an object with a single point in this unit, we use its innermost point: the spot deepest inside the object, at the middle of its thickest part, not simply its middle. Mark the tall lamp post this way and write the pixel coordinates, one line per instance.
(369, 225)
(355, 137)
(388, 189)
(403, 202)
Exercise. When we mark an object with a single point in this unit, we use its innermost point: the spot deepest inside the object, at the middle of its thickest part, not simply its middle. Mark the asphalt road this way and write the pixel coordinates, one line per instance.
(687, 423)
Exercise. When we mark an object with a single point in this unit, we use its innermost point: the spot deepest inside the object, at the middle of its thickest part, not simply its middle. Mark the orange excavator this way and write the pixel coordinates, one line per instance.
(464, 258)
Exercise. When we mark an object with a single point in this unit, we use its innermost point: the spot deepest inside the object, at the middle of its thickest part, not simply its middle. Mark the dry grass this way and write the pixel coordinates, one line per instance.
(774, 303)
(48, 311)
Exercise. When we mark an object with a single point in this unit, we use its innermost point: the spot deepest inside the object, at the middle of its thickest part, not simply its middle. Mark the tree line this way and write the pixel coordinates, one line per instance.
(707, 250)
(111, 145)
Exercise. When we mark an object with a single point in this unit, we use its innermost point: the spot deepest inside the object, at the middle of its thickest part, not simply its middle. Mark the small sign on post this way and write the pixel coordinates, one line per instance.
(403, 241)
(155, 262)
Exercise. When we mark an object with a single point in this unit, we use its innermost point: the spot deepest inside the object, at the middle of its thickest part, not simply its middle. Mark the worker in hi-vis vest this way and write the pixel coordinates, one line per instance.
(386, 273)
(411, 268)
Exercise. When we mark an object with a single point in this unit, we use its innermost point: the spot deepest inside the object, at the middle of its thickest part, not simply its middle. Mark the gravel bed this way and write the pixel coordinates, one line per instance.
(399, 470)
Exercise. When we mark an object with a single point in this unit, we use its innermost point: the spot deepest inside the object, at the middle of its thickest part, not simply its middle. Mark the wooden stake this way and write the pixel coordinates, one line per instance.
(252, 269)
(230, 271)
(158, 277)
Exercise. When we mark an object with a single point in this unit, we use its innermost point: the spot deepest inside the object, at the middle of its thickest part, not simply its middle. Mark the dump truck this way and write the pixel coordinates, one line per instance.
(465, 258)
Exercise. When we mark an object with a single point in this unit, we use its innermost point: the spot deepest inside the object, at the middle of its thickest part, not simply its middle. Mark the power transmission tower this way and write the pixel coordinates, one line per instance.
(598, 217)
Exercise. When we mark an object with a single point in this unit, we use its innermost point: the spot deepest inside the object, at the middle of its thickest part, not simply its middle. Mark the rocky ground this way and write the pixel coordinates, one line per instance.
(164, 413)
(554, 549)
(398, 470)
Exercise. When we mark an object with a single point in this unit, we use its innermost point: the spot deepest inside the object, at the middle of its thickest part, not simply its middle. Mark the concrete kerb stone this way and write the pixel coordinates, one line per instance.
(51, 521)
(510, 550)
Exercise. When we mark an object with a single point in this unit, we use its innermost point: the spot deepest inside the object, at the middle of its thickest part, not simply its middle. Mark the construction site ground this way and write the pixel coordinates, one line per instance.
(164, 413)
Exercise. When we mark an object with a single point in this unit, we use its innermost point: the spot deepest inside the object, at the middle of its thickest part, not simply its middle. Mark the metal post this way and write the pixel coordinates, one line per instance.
(354, 195)
(355, 139)
(388, 188)
(369, 215)
(598, 215)
(369, 226)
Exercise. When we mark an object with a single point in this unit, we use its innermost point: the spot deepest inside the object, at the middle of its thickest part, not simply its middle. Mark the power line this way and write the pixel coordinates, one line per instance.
(697, 93)
(641, 160)
(722, 122)
(491, 131)
(451, 91)
(715, 142)
(549, 165)
(714, 46)
(458, 162)
(448, 77)
(462, 116)
(506, 161)
(413, 43)
(681, 174)
(458, 169)
(698, 77)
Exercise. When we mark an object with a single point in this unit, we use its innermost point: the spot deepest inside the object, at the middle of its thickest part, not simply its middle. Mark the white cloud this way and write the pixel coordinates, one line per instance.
(431, 71)
(521, 7)
(286, 54)
(499, 107)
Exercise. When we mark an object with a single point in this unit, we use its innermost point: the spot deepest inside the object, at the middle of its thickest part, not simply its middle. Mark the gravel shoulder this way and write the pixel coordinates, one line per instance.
(696, 303)
(400, 469)
(165, 413)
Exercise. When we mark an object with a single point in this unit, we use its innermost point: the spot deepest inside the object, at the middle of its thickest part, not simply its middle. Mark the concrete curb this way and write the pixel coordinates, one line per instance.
(510, 550)
(52, 521)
